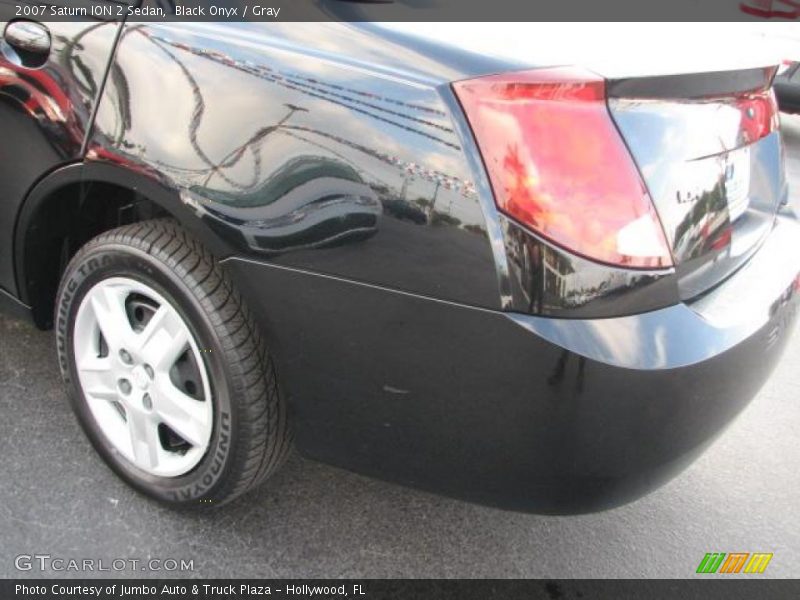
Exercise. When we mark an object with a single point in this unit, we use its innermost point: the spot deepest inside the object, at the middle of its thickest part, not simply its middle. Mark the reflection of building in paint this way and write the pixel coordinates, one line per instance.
(548, 279)
(555, 277)
(294, 173)
(310, 202)
(704, 223)
(235, 175)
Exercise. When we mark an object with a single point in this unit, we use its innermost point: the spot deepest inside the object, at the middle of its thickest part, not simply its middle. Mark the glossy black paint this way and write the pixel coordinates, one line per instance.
(691, 86)
(331, 168)
(521, 412)
(44, 113)
(547, 280)
(787, 88)
(76, 202)
(419, 335)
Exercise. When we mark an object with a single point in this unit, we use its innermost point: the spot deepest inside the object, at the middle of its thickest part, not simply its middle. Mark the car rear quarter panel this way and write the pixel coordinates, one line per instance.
(305, 158)
(362, 233)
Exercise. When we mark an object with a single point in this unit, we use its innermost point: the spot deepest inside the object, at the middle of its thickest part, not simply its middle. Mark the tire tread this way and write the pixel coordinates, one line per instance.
(264, 439)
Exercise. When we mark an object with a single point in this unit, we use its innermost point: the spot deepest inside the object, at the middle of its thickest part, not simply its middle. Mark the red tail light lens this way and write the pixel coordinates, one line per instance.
(558, 165)
(759, 115)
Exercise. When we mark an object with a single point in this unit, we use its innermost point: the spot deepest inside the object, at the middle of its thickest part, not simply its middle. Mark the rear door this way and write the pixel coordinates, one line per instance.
(50, 76)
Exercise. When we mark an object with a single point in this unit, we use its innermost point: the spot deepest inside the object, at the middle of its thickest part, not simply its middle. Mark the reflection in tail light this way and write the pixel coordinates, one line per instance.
(723, 239)
(558, 165)
(759, 115)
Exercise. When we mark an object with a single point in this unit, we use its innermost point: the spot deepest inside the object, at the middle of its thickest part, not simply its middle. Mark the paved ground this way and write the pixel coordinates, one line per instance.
(57, 498)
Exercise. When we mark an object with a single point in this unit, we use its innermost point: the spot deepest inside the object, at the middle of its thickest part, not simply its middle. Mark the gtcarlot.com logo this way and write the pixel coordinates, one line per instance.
(58, 564)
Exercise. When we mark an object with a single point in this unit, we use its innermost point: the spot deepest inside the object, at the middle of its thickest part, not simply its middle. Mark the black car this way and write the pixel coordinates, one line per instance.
(787, 87)
(577, 280)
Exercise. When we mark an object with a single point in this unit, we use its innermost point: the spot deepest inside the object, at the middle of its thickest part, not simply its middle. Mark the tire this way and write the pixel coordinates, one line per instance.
(186, 445)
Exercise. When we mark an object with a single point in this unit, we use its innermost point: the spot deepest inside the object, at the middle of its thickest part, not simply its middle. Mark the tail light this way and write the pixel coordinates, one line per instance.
(759, 114)
(723, 239)
(558, 165)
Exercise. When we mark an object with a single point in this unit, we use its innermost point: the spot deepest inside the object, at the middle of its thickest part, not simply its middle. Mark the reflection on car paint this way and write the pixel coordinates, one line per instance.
(548, 281)
(713, 168)
(320, 164)
(58, 99)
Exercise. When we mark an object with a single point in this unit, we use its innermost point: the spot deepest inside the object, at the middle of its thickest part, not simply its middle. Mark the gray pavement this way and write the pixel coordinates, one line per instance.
(310, 520)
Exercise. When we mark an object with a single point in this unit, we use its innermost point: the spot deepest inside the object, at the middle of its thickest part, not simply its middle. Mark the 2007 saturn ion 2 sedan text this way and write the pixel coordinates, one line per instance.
(537, 283)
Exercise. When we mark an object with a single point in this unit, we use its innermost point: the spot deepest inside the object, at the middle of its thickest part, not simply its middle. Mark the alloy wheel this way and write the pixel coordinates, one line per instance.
(143, 377)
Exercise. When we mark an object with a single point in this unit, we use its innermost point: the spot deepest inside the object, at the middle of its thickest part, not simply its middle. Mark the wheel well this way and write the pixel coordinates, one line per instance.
(63, 222)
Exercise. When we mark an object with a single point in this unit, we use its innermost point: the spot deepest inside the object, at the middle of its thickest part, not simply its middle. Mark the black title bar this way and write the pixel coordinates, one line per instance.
(408, 10)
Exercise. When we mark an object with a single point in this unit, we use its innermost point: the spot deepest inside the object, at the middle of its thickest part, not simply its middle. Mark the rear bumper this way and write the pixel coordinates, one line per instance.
(688, 334)
(522, 412)
(664, 384)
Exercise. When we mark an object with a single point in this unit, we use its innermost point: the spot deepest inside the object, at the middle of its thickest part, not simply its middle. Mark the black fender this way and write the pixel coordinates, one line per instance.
(44, 196)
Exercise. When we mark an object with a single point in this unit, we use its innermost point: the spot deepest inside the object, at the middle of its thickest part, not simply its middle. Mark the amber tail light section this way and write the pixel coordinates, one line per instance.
(558, 165)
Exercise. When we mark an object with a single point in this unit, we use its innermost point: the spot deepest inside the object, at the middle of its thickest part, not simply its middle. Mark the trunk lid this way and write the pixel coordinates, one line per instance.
(709, 150)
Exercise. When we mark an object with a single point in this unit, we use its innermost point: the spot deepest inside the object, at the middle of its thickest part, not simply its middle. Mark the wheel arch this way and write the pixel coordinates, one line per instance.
(78, 201)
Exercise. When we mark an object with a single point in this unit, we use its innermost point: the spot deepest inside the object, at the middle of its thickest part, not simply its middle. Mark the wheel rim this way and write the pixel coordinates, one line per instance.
(143, 377)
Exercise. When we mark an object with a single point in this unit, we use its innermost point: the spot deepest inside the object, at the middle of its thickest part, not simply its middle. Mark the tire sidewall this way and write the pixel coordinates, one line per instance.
(208, 478)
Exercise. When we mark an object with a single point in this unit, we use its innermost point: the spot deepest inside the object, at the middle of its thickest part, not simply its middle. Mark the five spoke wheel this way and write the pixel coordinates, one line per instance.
(143, 377)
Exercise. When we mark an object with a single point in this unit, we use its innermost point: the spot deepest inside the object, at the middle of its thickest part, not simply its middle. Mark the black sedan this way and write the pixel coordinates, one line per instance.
(543, 284)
